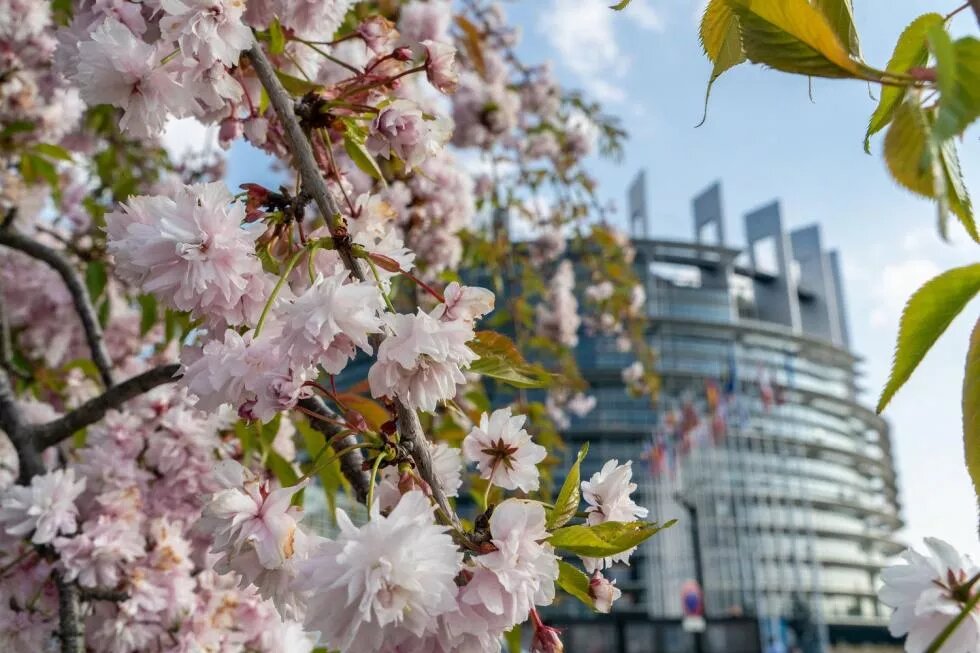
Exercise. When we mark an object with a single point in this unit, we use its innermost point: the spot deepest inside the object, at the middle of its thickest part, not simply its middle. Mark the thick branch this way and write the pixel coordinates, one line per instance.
(313, 183)
(69, 616)
(299, 144)
(79, 294)
(410, 430)
(50, 434)
(352, 462)
(975, 4)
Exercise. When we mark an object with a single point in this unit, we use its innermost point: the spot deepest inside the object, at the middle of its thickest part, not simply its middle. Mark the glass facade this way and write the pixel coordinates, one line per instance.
(792, 487)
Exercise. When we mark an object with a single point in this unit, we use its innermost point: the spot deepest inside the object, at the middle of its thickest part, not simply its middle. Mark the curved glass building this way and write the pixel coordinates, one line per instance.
(781, 478)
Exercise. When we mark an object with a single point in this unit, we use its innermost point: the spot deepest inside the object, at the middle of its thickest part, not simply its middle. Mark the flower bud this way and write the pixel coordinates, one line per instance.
(402, 54)
(546, 640)
(603, 592)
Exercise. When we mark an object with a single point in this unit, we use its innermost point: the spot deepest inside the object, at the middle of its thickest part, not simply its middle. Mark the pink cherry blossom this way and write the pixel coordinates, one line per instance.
(503, 451)
(43, 509)
(209, 30)
(402, 129)
(608, 495)
(440, 65)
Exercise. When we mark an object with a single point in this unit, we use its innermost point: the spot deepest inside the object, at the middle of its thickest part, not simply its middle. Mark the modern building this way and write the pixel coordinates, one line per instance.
(781, 478)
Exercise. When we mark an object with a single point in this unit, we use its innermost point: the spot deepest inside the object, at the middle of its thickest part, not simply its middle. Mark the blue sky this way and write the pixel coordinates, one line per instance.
(765, 139)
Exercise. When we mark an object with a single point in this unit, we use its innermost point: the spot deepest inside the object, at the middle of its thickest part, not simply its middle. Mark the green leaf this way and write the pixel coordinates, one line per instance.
(606, 539)
(566, 505)
(35, 169)
(958, 80)
(840, 15)
(148, 313)
(95, 279)
(956, 197)
(574, 582)
(281, 469)
(971, 409)
(910, 51)
(932, 170)
(500, 359)
(926, 316)
(363, 159)
(277, 40)
(295, 85)
(513, 639)
(52, 151)
(619, 6)
(328, 474)
(795, 37)
(721, 41)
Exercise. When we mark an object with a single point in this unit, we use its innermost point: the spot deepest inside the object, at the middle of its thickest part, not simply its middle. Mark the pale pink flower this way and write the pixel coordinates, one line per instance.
(117, 67)
(315, 20)
(376, 229)
(209, 30)
(402, 128)
(379, 34)
(248, 372)
(440, 65)
(503, 451)
(191, 250)
(422, 359)
(383, 583)
(508, 582)
(247, 515)
(330, 319)
(603, 592)
(100, 554)
(922, 593)
(466, 303)
(557, 316)
(608, 495)
(46, 507)
(419, 21)
(447, 463)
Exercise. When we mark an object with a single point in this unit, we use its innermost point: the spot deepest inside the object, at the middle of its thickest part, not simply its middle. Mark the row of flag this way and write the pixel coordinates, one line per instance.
(691, 423)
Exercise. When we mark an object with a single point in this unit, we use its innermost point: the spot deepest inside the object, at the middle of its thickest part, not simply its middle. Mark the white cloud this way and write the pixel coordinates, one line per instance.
(583, 32)
(183, 136)
(896, 283)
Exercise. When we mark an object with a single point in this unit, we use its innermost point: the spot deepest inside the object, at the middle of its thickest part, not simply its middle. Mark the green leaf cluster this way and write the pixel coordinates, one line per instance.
(605, 539)
(499, 358)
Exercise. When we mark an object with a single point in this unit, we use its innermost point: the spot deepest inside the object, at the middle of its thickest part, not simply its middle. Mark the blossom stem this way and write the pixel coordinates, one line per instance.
(426, 287)
(330, 57)
(937, 644)
(275, 291)
(374, 479)
(377, 278)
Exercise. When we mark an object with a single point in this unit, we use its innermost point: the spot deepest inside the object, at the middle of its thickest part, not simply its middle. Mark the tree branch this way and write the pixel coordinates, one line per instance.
(352, 462)
(79, 294)
(975, 5)
(312, 180)
(69, 617)
(52, 433)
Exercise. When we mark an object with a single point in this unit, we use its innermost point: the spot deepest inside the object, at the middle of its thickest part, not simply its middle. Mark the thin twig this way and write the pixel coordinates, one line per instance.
(975, 4)
(51, 433)
(409, 426)
(351, 462)
(79, 295)
(102, 594)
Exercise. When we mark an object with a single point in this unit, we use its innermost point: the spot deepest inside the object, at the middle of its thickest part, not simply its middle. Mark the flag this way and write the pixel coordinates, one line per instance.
(766, 393)
(719, 422)
(711, 394)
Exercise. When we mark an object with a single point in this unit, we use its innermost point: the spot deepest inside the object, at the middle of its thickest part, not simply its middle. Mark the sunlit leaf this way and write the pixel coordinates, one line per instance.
(566, 505)
(574, 582)
(795, 37)
(606, 539)
(926, 316)
(52, 151)
(500, 359)
(721, 41)
(619, 6)
(96, 278)
(971, 409)
(911, 50)
(840, 15)
(932, 170)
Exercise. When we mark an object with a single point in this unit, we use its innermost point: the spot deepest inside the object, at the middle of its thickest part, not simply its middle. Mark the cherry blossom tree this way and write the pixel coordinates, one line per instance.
(169, 347)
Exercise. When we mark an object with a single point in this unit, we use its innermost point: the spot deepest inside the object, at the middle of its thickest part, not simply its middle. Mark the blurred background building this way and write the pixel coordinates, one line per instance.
(781, 478)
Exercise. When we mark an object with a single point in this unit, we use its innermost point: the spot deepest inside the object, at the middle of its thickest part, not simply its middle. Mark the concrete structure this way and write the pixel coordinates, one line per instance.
(788, 476)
